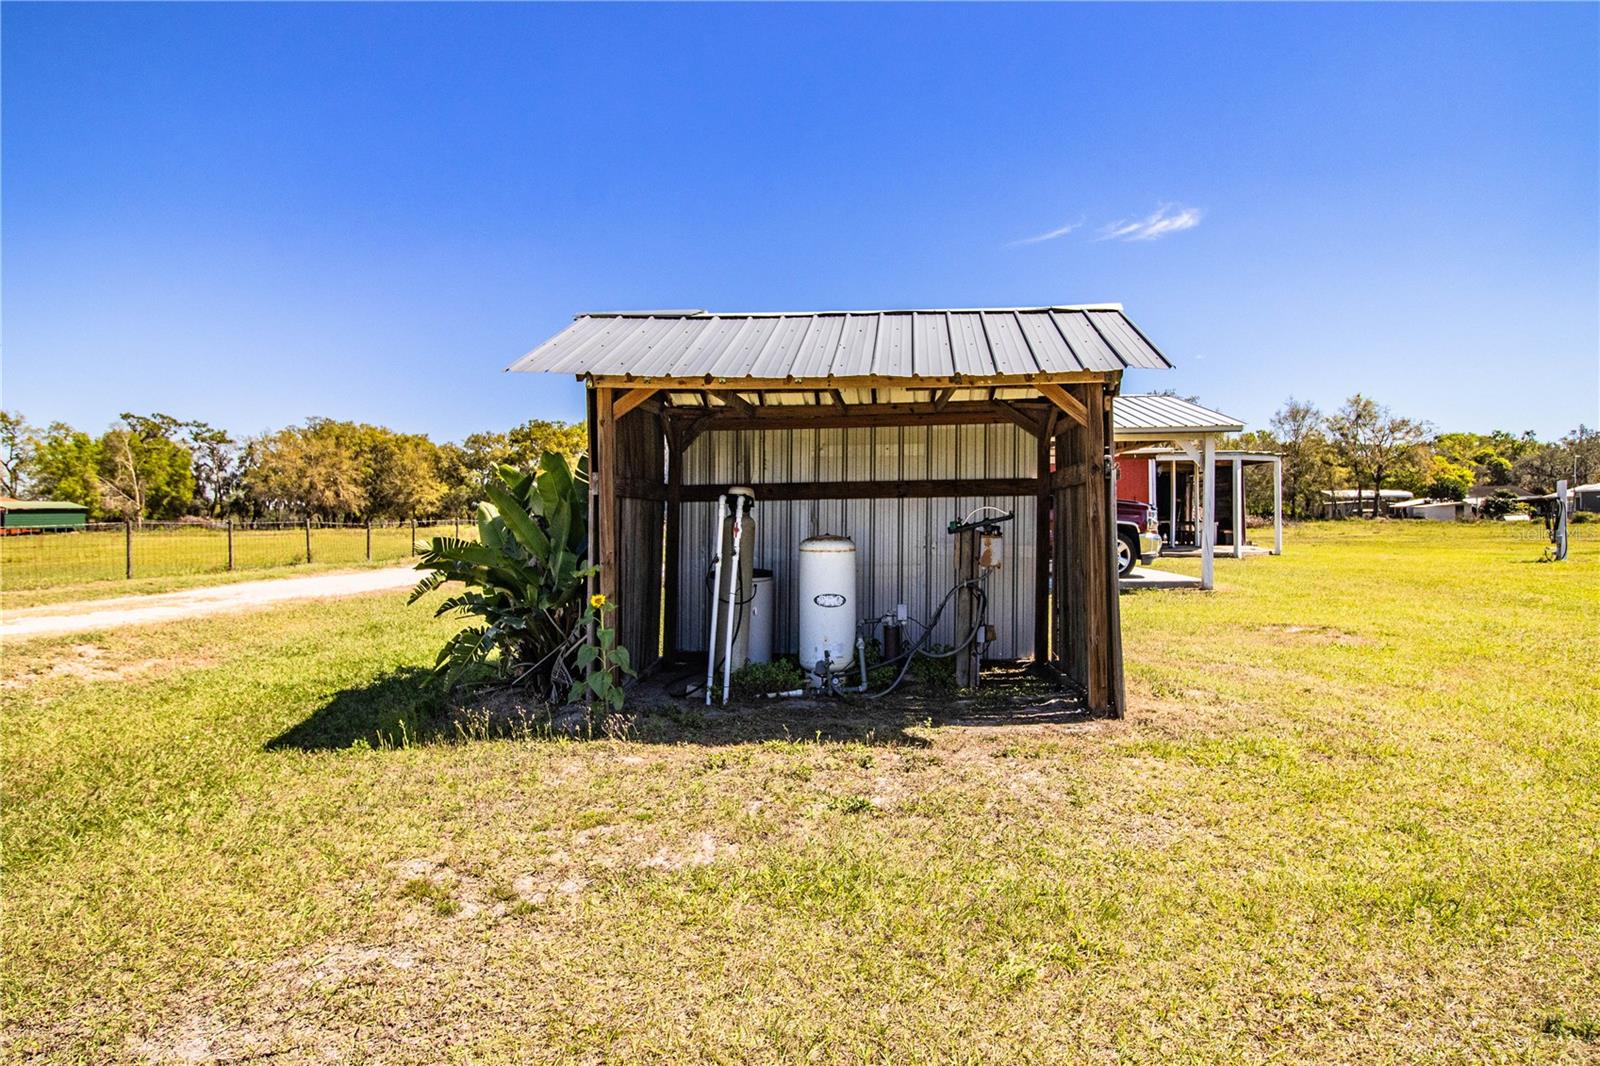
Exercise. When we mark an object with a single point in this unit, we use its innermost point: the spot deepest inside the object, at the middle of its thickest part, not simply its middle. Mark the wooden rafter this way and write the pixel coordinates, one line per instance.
(1015, 415)
(627, 401)
(1064, 400)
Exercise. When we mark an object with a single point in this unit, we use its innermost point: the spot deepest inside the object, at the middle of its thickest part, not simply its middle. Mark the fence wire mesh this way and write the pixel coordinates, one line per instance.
(114, 551)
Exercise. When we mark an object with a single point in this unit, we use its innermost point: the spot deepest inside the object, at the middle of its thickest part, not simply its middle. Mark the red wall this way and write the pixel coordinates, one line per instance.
(1133, 479)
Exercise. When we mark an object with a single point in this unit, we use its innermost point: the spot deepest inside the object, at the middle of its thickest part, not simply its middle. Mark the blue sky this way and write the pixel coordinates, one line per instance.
(252, 214)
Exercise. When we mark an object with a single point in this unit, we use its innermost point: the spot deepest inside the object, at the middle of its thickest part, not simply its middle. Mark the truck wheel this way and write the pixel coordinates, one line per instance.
(1127, 555)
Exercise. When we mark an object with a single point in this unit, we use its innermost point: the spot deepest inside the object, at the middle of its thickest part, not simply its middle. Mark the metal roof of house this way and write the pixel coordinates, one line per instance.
(11, 503)
(1020, 343)
(1154, 415)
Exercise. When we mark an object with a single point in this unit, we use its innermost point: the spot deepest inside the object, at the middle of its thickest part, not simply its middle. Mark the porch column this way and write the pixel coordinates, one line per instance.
(1208, 509)
(1172, 505)
(1238, 507)
(1277, 505)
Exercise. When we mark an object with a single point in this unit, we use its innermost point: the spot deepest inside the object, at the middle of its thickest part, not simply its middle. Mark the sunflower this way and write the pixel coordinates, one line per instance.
(597, 601)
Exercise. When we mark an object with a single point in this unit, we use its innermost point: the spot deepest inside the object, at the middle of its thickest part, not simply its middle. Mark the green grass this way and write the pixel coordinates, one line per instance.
(54, 567)
(1352, 817)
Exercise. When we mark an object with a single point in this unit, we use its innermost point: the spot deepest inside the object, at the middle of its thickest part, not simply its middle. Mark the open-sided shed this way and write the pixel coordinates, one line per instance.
(880, 425)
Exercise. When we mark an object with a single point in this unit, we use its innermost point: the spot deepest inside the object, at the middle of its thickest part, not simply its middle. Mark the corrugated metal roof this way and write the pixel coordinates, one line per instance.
(1140, 415)
(11, 503)
(1006, 342)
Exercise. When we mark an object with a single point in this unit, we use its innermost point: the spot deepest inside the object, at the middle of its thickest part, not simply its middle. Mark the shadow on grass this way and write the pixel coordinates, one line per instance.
(408, 706)
(399, 708)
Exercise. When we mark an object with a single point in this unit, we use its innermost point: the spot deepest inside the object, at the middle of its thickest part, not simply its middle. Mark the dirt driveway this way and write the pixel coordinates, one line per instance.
(191, 603)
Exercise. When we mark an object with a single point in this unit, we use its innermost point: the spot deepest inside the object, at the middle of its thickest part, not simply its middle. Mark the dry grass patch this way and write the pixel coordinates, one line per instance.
(1298, 847)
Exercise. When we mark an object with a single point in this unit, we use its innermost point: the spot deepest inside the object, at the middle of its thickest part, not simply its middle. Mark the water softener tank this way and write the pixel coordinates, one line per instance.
(762, 607)
(827, 598)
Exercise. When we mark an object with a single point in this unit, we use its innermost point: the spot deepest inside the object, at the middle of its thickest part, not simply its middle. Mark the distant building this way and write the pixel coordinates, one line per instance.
(35, 516)
(1342, 503)
(1434, 510)
(1586, 497)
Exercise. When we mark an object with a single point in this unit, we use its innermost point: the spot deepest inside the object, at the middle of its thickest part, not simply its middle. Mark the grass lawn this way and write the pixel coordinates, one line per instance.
(66, 567)
(1354, 816)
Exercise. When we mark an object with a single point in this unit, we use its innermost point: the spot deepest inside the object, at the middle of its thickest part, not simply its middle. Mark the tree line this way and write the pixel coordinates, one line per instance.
(160, 467)
(1367, 447)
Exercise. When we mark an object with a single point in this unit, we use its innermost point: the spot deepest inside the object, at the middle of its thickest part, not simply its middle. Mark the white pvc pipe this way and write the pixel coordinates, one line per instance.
(716, 585)
(740, 504)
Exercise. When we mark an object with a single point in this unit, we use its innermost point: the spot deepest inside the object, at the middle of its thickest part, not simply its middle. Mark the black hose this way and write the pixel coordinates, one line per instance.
(918, 648)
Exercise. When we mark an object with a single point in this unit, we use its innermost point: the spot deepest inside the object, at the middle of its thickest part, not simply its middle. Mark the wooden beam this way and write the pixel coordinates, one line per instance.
(629, 400)
(872, 490)
(1066, 401)
(824, 382)
(942, 398)
(739, 403)
(838, 400)
(1014, 414)
(828, 416)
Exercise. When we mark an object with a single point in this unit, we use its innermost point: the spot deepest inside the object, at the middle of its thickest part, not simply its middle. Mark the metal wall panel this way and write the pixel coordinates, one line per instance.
(904, 554)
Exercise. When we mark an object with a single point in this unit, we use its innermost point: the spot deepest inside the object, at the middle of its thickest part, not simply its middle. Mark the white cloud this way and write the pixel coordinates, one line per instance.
(1052, 235)
(1168, 218)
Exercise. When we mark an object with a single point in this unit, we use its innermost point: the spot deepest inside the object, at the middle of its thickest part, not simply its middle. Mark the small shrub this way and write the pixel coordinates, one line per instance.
(758, 679)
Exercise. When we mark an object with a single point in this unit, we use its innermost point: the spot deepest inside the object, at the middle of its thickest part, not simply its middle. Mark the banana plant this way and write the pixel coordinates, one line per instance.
(523, 581)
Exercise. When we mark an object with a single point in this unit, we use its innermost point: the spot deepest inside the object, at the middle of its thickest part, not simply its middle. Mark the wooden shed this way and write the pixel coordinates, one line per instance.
(879, 425)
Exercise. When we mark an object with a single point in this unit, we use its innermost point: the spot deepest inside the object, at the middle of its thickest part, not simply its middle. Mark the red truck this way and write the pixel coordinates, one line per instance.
(1138, 534)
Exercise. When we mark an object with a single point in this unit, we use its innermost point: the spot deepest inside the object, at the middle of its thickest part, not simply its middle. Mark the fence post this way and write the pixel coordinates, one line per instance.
(230, 544)
(413, 534)
(458, 527)
(127, 547)
(308, 539)
(369, 540)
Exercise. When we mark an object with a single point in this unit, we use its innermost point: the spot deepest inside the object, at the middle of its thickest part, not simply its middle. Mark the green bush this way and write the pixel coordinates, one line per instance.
(523, 583)
(758, 679)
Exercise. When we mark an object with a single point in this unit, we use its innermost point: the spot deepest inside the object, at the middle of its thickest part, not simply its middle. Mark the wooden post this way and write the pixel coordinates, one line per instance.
(1172, 504)
(308, 538)
(966, 600)
(1208, 510)
(230, 544)
(603, 476)
(1097, 538)
(1116, 689)
(1042, 548)
(1277, 505)
(1238, 507)
(127, 547)
(413, 534)
(670, 543)
(457, 533)
(369, 540)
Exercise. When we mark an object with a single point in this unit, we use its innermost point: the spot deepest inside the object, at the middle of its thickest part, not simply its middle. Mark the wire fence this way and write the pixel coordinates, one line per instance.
(109, 551)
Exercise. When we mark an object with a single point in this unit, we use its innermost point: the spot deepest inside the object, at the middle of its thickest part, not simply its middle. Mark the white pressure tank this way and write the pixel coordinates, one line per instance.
(762, 607)
(827, 603)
